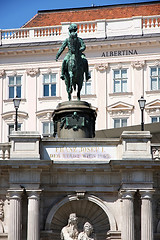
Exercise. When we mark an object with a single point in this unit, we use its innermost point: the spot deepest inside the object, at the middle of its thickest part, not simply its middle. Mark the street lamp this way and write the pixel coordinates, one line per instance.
(142, 102)
(16, 102)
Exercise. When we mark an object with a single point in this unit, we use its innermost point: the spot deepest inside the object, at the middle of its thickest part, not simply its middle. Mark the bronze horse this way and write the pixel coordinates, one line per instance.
(74, 75)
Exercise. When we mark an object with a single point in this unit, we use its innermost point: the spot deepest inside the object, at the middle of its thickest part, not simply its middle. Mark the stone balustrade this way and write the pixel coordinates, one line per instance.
(5, 151)
(91, 29)
(151, 24)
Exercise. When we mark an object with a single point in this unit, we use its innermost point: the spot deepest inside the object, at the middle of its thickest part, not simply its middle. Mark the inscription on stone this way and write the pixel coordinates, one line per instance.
(59, 153)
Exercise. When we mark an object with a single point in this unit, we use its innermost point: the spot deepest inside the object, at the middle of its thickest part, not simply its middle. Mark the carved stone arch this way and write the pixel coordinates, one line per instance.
(90, 208)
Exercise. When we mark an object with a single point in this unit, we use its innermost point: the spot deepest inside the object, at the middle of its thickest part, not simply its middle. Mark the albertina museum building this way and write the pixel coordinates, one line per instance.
(111, 180)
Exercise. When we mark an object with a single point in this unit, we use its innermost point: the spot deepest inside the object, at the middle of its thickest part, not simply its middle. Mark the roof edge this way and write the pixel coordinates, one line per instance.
(97, 7)
(29, 21)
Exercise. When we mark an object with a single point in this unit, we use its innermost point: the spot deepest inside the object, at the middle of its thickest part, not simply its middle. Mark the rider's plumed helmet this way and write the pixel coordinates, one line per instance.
(72, 27)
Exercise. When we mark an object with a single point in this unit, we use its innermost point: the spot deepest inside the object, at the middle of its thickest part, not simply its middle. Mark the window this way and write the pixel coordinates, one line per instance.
(120, 122)
(155, 78)
(48, 128)
(15, 86)
(87, 86)
(11, 128)
(155, 119)
(120, 80)
(49, 85)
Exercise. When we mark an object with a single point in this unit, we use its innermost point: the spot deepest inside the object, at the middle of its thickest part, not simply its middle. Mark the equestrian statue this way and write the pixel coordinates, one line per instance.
(75, 63)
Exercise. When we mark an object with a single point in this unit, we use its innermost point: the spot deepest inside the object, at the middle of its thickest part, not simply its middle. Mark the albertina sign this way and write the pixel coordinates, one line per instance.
(119, 53)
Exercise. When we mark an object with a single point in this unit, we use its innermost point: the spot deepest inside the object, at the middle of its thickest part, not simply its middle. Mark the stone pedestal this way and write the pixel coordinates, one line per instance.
(24, 145)
(74, 119)
(136, 145)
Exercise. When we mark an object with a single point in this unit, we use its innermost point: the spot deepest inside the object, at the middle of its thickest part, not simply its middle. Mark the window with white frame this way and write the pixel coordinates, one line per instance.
(11, 128)
(155, 119)
(87, 86)
(49, 85)
(15, 85)
(155, 78)
(120, 122)
(120, 80)
(48, 129)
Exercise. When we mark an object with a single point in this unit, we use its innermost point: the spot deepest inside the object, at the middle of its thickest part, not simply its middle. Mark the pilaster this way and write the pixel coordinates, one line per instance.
(146, 215)
(14, 232)
(33, 215)
(127, 215)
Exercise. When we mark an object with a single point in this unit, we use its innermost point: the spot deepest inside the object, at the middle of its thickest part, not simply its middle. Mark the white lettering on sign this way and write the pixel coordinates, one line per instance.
(80, 153)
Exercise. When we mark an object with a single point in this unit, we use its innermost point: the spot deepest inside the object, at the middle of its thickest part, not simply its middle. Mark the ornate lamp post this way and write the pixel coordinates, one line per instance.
(16, 106)
(142, 102)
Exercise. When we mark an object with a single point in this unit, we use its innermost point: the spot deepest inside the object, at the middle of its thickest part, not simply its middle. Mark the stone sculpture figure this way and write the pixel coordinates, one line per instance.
(75, 63)
(87, 233)
(70, 232)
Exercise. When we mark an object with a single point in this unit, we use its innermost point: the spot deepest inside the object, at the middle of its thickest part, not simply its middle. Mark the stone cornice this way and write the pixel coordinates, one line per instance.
(134, 165)
(11, 115)
(52, 47)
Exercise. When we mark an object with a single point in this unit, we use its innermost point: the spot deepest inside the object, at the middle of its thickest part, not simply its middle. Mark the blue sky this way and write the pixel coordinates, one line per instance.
(15, 13)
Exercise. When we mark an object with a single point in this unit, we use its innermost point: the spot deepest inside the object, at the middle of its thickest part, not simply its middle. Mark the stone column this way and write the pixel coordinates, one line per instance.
(127, 215)
(33, 215)
(14, 231)
(146, 215)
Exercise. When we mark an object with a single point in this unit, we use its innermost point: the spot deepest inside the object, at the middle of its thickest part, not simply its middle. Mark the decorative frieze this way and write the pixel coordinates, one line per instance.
(81, 195)
(49, 71)
(120, 109)
(32, 71)
(14, 73)
(154, 111)
(2, 73)
(45, 115)
(101, 67)
(119, 66)
(157, 63)
(9, 117)
(115, 113)
(153, 108)
(156, 152)
(138, 64)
